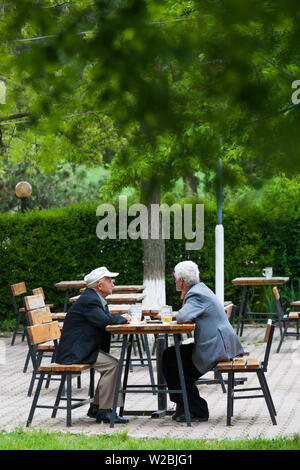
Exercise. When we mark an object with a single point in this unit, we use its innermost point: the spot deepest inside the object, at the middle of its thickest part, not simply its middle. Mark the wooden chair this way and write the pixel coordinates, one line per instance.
(230, 312)
(60, 316)
(38, 313)
(41, 334)
(246, 366)
(18, 290)
(285, 321)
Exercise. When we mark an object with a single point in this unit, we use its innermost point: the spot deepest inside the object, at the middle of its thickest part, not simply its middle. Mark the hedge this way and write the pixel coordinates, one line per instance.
(44, 247)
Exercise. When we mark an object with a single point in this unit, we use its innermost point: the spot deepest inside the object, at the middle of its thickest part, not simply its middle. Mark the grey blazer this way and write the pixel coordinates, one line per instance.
(215, 339)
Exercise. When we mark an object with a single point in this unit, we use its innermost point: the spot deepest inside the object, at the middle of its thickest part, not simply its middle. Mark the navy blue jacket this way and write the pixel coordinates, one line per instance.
(83, 333)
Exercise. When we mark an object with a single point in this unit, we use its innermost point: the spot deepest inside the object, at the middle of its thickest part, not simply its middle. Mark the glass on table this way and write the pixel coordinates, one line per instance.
(135, 313)
(166, 313)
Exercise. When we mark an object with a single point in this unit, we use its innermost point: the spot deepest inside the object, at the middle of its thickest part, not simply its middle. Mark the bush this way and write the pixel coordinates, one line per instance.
(44, 247)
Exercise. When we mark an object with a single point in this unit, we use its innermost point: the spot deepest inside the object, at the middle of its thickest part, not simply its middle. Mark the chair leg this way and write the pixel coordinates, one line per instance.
(26, 362)
(219, 376)
(59, 394)
(281, 339)
(268, 391)
(33, 377)
(69, 400)
(16, 330)
(92, 383)
(79, 381)
(230, 397)
(35, 399)
(269, 402)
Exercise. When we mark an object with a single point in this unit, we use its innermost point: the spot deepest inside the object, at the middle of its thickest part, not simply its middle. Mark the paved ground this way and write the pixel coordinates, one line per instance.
(251, 417)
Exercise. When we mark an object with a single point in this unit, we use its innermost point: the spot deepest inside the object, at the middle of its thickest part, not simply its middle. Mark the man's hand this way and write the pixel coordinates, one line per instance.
(126, 316)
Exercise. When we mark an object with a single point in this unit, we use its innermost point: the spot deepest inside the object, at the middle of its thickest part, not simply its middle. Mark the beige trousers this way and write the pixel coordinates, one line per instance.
(107, 366)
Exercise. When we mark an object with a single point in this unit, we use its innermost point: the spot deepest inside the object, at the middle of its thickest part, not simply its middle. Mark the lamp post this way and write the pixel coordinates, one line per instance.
(23, 191)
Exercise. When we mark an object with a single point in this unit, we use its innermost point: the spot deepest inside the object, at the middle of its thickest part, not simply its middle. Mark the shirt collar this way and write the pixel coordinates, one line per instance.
(103, 301)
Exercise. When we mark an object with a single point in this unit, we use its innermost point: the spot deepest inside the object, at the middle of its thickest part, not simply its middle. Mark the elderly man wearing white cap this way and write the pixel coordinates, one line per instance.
(84, 340)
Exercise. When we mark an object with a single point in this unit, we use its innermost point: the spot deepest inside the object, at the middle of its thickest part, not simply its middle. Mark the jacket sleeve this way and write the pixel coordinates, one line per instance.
(192, 309)
(96, 316)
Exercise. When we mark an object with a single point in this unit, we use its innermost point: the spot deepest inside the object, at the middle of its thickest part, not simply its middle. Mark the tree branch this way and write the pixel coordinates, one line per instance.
(13, 116)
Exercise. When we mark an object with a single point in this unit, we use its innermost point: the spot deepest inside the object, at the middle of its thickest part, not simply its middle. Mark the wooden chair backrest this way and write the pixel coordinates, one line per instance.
(279, 308)
(268, 330)
(37, 291)
(33, 302)
(268, 339)
(44, 332)
(18, 289)
(276, 293)
(39, 316)
(228, 310)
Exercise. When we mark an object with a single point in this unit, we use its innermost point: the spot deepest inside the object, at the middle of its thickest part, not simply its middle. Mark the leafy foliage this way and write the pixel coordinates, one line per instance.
(171, 78)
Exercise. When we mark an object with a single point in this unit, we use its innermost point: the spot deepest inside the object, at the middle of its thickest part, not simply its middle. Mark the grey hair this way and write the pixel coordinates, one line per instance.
(188, 271)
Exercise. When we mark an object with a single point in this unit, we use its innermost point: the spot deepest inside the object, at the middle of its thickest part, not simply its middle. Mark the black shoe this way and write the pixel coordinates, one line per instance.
(105, 415)
(194, 418)
(179, 411)
(93, 410)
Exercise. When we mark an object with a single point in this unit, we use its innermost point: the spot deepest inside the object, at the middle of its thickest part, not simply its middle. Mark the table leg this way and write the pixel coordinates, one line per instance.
(161, 397)
(127, 366)
(120, 369)
(242, 311)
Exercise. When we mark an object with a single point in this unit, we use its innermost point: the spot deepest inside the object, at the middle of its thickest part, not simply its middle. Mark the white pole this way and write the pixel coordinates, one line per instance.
(219, 262)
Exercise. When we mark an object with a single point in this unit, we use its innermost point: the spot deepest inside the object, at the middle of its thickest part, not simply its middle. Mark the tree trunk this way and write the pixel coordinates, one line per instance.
(190, 185)
(154, 246)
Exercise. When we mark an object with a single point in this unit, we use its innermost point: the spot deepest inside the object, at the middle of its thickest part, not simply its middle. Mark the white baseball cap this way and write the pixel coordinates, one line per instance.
(98, 274)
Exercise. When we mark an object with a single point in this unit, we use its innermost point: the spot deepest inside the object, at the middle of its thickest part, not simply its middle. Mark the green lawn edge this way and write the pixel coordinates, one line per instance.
(52, 440)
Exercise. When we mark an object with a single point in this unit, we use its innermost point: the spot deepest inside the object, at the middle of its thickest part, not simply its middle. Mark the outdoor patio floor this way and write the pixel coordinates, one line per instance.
(251, 417)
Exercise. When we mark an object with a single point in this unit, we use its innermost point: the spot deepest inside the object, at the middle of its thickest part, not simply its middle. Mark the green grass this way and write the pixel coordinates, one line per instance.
(44, 440)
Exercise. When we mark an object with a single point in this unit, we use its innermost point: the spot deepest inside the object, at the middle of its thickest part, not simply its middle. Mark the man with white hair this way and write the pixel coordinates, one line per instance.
(214, 341)
(84, 340)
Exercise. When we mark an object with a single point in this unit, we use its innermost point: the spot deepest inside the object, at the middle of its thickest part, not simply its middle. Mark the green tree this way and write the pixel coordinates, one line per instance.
(182, 83)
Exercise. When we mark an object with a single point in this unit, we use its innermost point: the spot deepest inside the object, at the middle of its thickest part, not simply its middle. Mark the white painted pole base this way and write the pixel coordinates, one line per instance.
(155, 292)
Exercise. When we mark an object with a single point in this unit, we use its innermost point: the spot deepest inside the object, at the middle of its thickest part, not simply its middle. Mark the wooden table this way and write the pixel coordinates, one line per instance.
(295, 303)
(69, 285)
(160, 329)
(117, 291)
(134, 289)
(246, 283)
(124, 298)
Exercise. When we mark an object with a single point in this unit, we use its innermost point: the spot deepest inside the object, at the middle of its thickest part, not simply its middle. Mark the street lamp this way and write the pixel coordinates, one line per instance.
(23, 191)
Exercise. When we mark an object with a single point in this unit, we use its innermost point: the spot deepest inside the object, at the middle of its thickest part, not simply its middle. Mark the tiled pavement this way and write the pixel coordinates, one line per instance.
(251, 417)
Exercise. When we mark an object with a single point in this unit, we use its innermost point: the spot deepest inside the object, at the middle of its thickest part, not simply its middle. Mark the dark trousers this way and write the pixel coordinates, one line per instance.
(197, 405)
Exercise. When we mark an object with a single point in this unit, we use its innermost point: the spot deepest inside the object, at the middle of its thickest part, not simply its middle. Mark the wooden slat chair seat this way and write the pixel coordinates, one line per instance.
(249, 365)
(58, 368)
(286, 321)
(16, 290)
(39, 334)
